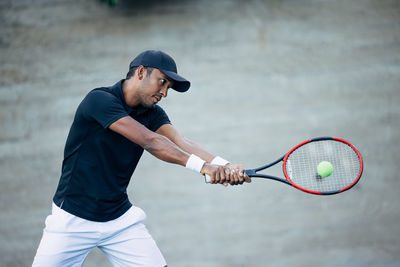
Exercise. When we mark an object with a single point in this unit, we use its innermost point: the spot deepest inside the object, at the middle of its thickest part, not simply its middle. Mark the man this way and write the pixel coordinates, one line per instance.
(111, 128)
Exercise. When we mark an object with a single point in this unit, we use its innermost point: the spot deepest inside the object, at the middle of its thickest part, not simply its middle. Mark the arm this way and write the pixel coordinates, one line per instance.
(184, 143)
(234, 174)
(160, 146)
(156, 144)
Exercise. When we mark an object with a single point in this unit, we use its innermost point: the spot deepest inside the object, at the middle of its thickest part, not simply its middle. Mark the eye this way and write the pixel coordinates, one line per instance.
(163, 81)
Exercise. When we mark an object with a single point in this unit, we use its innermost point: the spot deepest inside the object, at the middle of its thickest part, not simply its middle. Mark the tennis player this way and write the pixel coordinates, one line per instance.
(112, 127)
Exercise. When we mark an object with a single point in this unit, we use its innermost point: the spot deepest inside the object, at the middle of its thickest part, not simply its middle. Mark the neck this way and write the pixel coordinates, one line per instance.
(129, 89)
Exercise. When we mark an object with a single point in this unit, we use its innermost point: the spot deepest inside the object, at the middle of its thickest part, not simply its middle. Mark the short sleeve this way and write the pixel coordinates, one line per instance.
(158, 118)
(103, 107)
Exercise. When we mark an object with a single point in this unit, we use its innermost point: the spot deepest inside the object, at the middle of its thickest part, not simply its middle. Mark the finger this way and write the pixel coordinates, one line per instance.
(228, 175)
(244, 176)
(212, 177)
(247, 178)
(222, 174)
(216, 177)
(241, 176)
(232, 181)
(232, 177)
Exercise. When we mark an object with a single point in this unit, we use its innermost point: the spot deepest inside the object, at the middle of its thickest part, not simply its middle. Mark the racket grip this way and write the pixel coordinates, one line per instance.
(208, 177)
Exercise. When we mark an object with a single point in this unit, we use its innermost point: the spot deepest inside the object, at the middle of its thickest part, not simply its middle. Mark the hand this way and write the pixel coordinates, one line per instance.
(218, 174)
(232, 174)
(238, 175)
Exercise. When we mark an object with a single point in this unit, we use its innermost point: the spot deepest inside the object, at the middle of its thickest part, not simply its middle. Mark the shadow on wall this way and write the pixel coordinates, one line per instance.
(134, 4)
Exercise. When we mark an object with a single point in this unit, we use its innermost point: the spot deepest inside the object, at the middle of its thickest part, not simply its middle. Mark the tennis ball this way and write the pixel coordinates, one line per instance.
(324, 168)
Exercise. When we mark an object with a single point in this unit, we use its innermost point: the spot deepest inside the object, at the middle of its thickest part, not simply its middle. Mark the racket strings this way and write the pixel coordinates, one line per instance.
(301, 166)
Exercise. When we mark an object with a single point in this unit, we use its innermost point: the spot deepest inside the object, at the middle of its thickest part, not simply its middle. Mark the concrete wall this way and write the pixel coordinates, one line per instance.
(265, 75)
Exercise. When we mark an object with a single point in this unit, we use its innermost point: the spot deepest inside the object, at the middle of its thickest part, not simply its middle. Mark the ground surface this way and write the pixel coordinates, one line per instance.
(265, 76)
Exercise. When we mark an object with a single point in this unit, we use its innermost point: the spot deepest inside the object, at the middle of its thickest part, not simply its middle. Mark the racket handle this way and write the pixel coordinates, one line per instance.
(248, 172)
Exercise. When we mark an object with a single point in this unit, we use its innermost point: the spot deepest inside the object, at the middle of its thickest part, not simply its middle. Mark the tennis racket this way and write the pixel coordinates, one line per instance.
(301, 162)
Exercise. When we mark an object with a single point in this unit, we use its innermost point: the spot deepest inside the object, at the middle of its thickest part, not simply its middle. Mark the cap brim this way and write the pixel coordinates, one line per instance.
(180, 83)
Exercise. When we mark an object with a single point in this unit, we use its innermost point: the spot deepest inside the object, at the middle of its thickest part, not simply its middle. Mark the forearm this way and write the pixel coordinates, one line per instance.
(162, 148)
(184, 143)
(219, 171)
(193, 148)
(169, 148)
(156, 144)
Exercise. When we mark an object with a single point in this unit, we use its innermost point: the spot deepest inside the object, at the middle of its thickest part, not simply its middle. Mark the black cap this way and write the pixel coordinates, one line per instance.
(163, 62)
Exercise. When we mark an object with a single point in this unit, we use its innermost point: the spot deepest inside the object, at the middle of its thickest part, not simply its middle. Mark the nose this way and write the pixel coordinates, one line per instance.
(164, 91)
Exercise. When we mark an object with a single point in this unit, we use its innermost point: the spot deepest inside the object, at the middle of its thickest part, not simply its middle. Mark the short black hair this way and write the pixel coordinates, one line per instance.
(133, 69)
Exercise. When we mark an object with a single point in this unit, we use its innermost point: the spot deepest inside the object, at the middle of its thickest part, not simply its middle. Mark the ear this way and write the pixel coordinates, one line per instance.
(141, 71)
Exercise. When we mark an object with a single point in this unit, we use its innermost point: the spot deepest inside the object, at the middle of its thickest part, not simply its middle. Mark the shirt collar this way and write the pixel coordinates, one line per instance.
(117, 88)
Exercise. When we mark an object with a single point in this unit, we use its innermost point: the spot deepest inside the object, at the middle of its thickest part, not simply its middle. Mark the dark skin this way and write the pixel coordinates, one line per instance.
(167, 143)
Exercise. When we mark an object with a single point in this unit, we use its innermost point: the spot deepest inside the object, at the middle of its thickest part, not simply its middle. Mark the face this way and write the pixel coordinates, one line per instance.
(152, 87)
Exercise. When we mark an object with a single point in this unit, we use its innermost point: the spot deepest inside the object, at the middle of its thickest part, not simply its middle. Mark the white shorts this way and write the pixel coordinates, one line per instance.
(68, 239)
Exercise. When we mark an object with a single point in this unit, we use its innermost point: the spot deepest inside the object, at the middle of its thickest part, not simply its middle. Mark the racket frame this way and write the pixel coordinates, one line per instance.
(253, 172)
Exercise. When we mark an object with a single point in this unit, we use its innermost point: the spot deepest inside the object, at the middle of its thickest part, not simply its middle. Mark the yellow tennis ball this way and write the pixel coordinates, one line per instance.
(324, 168)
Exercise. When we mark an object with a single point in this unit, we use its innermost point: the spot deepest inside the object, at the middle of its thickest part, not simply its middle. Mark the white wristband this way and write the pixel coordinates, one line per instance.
(195, 163)
(219, 161)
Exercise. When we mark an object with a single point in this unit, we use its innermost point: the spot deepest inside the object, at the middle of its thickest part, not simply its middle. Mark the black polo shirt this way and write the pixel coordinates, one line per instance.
(98, 162)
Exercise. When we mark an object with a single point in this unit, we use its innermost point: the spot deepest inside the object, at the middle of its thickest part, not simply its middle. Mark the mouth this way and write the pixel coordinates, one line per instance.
(157, 98)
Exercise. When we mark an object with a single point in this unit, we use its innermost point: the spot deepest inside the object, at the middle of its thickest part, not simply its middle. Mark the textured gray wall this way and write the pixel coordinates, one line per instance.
(265, 75)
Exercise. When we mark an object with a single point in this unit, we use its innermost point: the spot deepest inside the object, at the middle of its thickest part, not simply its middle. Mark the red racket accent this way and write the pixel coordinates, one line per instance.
(305, 174)
(300, 166)
(287, 176)
(361, 163)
